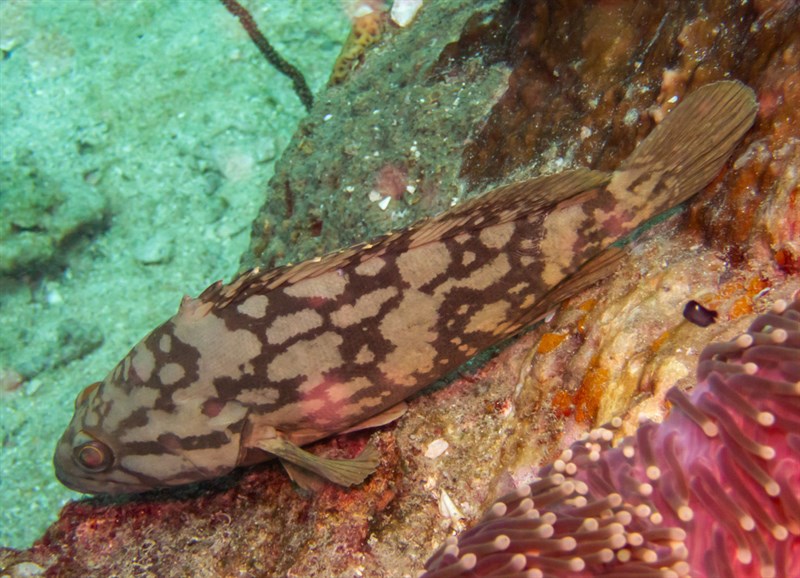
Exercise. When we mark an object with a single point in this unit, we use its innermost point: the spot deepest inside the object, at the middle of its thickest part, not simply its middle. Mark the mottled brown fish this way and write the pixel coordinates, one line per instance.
(278, 359)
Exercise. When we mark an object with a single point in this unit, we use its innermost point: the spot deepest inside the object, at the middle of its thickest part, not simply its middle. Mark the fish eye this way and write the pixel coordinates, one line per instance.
(93, 456)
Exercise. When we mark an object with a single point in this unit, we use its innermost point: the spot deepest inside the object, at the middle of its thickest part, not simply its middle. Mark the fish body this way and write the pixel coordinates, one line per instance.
(275, 360)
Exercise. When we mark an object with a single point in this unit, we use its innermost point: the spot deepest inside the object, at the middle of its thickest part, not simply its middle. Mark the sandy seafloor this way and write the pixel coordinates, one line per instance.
(163, 115)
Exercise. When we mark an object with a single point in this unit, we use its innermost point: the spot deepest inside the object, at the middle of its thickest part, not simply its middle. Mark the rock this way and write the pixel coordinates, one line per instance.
(39, 219)
(52, 345)
(157, 250)
(22, 570)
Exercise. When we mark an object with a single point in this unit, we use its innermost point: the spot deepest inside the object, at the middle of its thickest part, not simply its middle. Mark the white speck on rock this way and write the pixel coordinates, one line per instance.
(23, 570)
(436, 448)
(631, 117)
(156, 250)
(403, 11)
(53, 297)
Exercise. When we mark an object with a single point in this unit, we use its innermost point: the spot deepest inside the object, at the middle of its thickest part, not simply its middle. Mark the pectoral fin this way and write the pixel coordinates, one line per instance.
(343, 472)
(307, 480)
(393, 413)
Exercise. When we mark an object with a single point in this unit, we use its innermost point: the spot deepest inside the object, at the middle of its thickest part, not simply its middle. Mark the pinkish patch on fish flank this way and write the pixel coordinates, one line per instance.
(714, 490)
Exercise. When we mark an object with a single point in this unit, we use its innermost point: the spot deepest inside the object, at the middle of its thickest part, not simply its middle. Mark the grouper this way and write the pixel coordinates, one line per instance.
(277, 359)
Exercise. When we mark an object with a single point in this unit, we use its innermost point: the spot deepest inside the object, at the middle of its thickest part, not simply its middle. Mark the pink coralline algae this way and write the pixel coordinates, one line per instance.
(712, 491)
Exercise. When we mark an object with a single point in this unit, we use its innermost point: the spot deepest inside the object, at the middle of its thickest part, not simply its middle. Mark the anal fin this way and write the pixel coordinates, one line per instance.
(348, 472)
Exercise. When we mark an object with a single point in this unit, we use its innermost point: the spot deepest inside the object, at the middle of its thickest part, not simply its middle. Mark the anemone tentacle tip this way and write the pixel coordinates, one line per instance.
(718, 476)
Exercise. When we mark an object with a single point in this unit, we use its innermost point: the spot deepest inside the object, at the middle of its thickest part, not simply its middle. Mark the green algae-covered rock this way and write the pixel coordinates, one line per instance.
(40, 218)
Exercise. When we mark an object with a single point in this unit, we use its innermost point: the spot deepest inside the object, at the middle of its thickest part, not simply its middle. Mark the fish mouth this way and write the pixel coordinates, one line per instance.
(109, 483)
(78, 482)
(106, 487)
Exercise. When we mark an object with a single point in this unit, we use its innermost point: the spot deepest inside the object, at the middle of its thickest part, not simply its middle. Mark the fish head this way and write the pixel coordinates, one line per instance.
(87, 457)
(153, 422)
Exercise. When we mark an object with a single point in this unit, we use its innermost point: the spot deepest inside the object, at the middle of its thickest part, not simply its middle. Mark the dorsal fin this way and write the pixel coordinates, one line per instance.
(508, 203)
(501, 205)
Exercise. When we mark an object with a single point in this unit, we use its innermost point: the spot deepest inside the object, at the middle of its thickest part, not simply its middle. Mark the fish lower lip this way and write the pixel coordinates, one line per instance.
(71, 482)
(88, 486)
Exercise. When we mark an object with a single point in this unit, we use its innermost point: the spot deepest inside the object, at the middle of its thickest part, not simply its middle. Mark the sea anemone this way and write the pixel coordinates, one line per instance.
(714, 490)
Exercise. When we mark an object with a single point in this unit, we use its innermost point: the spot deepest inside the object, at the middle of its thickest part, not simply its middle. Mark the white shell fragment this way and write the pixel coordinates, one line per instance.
(403, 11)
(449, 510)
(436, 448)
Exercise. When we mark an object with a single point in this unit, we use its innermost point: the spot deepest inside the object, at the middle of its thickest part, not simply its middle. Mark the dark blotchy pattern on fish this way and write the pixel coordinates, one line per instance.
(278, 359)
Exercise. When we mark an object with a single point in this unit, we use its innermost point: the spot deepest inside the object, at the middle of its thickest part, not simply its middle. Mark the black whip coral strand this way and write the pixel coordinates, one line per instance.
(280, 63)
(712, 491)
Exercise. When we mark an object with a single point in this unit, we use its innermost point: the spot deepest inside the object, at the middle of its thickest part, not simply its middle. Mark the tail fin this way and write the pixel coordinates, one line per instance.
(686, 151)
